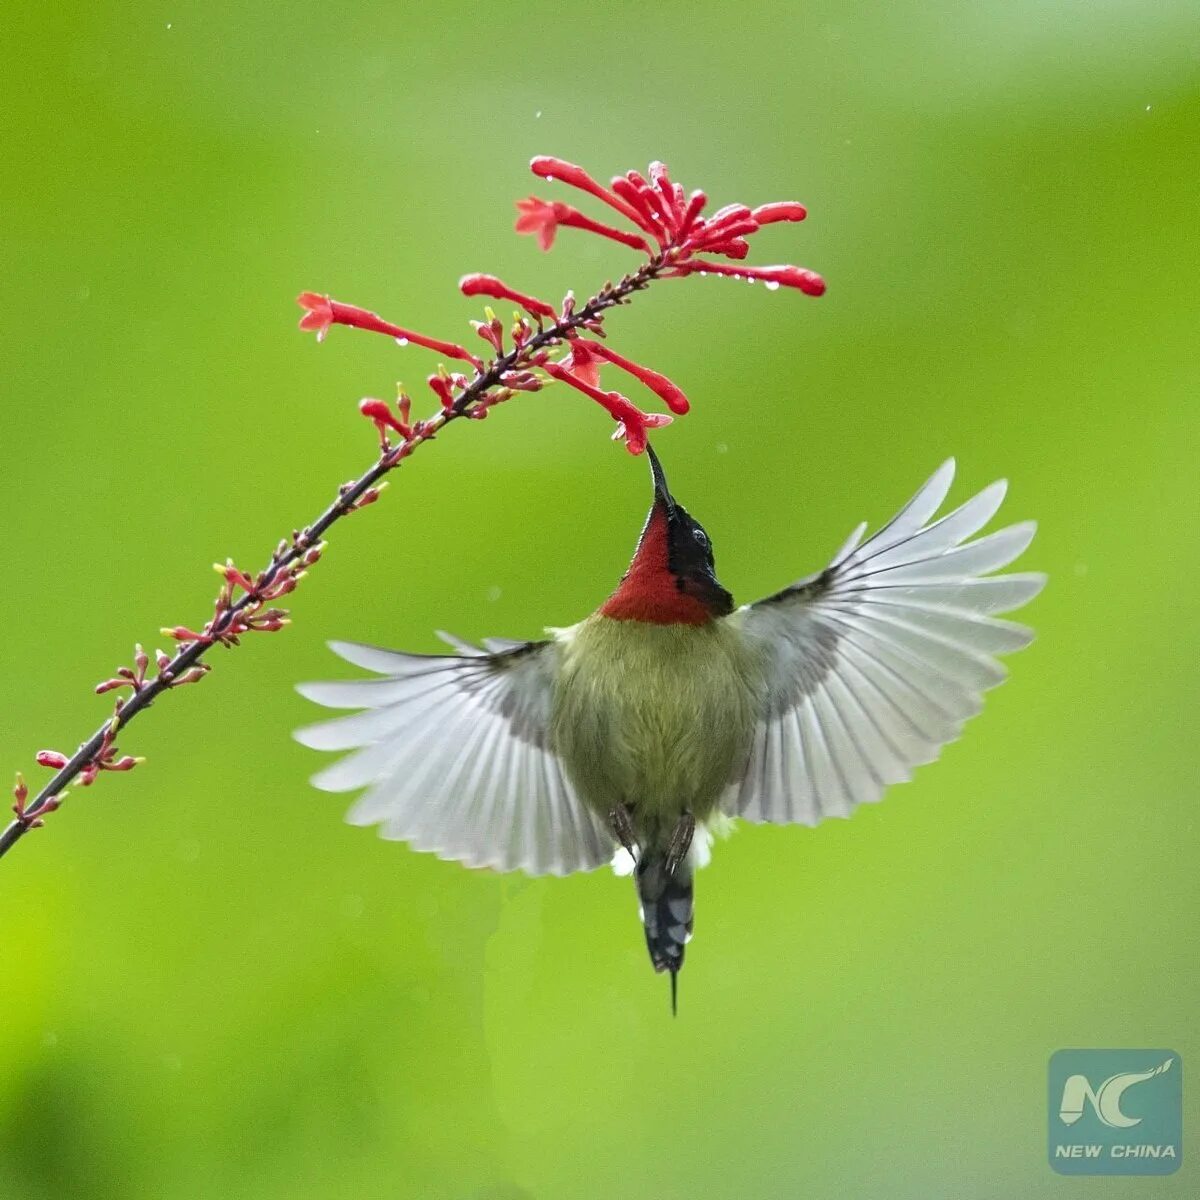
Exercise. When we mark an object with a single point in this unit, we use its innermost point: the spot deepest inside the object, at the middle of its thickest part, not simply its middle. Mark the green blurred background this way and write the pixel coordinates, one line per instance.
(209, 985)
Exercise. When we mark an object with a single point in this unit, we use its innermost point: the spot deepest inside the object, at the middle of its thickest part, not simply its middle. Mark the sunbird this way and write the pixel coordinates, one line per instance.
(634, 734)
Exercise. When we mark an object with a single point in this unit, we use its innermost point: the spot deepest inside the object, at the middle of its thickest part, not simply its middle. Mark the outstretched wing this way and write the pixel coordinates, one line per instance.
(875, 663)
(453, 752)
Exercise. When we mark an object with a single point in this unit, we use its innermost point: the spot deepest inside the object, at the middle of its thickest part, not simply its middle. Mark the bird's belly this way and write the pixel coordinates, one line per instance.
(654, 717)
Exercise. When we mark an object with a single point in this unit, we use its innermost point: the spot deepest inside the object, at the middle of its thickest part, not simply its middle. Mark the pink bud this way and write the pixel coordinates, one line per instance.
(51, 759)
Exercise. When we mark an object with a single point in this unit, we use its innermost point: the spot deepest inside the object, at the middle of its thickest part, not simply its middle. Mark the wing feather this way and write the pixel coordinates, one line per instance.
(453, 753)
(875, 663)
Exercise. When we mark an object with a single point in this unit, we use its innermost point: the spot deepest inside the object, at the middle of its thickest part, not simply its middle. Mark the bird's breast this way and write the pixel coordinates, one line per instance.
(655, 717)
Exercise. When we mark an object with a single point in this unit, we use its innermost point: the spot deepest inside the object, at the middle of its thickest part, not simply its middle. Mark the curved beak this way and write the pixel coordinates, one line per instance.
(661, 491)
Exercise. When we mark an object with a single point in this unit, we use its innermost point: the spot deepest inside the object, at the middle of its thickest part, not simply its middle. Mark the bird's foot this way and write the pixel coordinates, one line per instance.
(680, 843)
(621, 824)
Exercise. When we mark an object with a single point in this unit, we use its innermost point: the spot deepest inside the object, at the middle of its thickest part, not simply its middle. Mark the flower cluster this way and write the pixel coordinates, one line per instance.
(550, 343)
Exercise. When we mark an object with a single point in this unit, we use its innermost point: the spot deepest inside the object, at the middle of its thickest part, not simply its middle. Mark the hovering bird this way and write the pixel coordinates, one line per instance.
(633, 734)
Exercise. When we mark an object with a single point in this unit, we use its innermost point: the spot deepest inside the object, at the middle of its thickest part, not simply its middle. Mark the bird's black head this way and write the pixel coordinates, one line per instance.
(672, 579)
(689, 550)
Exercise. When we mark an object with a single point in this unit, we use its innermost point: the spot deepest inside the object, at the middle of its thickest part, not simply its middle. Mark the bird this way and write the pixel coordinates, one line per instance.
(669, 713)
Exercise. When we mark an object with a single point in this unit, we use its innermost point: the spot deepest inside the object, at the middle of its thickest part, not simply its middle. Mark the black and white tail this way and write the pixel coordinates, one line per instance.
(666, 903)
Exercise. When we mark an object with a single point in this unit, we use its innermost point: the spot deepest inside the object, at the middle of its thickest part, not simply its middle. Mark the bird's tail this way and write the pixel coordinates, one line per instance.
(666, 901)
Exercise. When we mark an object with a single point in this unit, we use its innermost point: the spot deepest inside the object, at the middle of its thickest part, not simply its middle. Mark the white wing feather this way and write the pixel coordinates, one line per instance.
(875, 663)
(453, 753)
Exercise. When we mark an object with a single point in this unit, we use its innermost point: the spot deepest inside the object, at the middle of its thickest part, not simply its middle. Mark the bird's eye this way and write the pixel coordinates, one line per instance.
(700, 536)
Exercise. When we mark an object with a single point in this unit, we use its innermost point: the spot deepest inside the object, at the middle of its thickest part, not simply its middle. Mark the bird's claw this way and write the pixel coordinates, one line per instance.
(680, 843)
(621, 824)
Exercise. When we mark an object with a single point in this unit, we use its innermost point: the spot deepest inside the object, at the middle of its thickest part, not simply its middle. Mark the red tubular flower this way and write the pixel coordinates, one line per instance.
(809, 282)
(537, 217)
(781, 210)
(633, 431)
(543, 218)
(736, 248)
(648, 201)
(633, 423)
(318, 315)
(489, 285)
(581, 362)
(441, 388)
(381, 414)
(659, 384)
(551, 169)
(323, 312)
(636, 199)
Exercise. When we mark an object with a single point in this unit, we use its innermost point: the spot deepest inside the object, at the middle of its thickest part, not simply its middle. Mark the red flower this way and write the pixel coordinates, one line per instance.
(381, 414)
(632, 423)
(581, 362)
(489, 285)
(671, 394)
(808, 282)
(537, 217)
(544, 218)
(319, 313)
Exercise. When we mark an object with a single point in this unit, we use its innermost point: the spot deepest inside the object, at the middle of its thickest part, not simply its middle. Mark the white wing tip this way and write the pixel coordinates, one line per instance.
(303, 736)
(947, 468)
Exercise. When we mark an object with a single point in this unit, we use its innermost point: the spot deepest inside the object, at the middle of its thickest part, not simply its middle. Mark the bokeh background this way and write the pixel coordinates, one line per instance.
(209, 985)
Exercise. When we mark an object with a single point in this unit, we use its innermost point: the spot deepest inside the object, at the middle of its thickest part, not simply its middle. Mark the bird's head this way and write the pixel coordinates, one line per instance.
(672, 579)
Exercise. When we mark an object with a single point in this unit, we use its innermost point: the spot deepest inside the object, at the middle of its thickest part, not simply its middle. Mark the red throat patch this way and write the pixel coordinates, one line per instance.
(649, 592)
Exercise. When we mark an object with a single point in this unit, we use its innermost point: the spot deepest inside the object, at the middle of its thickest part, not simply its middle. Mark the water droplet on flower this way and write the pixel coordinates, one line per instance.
(549, 178)
(402, 341)
(772, 285)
